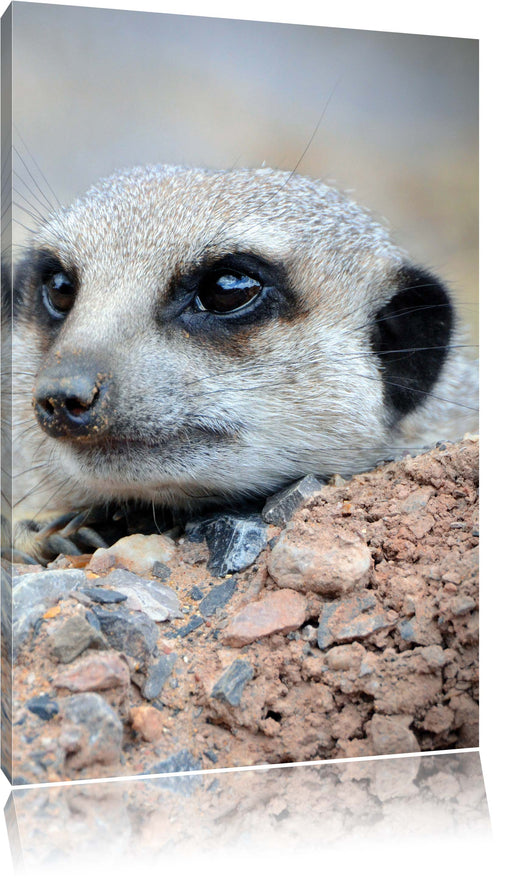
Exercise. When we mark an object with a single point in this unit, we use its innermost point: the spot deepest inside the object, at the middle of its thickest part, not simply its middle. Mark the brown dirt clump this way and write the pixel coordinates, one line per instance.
(354, 633)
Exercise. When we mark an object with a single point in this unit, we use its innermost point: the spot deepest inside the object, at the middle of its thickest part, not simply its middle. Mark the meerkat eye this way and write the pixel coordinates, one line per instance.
(226, 292)
(58, 295)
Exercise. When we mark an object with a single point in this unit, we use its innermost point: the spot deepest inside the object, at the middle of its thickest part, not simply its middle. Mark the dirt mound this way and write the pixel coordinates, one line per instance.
(350, 629)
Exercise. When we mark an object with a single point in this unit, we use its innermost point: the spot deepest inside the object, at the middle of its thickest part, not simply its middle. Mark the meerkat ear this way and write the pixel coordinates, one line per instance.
(411, 336)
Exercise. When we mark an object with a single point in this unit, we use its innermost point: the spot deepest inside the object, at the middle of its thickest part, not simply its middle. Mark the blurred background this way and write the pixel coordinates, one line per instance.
(392, 118)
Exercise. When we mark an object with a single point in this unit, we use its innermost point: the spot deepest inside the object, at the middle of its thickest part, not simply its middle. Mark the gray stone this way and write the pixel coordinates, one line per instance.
(181, 762)
(92, 731)
(280, 507)
(158, 602)
(34, 593)
(43, 706)
(161, 571)
(234, 543)
(157, 676)
(230, 685)
(193, 624)
(103, 596)
(75, 636)
(129, 631)
(357, 616)
(218, 596)
(195, 531)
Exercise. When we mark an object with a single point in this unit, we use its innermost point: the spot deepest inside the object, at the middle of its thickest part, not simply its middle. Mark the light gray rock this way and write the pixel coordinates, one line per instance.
(75, 636)
(159, 602)
(92, 731)
(34, 593)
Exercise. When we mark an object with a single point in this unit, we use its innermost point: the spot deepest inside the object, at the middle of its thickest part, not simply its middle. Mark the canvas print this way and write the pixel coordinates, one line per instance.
(240, 454)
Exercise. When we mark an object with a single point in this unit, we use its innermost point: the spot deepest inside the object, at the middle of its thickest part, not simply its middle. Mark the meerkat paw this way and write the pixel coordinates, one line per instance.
(39, 540)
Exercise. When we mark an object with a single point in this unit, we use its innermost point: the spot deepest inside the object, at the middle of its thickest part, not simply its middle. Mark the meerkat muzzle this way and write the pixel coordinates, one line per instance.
(70, 400)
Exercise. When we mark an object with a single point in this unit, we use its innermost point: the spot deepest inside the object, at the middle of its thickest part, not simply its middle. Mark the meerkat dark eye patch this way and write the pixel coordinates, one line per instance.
(221, 296)
(44, 289)
(411, 337)
(226, 291)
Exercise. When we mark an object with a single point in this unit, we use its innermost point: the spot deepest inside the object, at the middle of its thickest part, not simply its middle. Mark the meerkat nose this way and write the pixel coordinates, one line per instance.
(70, 399)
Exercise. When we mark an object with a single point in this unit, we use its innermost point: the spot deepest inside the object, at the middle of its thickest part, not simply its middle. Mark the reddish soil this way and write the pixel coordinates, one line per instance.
(355, 631)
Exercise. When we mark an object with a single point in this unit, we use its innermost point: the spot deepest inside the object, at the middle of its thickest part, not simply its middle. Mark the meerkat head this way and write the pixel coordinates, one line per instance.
(197, 335)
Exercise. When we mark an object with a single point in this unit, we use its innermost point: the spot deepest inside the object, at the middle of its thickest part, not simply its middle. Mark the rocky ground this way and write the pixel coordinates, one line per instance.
(342, 621)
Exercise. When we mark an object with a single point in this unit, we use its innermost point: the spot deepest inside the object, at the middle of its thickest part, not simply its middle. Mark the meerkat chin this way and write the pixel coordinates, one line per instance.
(188, 336)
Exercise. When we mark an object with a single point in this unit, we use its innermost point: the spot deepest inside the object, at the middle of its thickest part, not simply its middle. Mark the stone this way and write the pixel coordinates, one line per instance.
(218, 596)
(158, 675)
(330, 563)
(421, 628)
(137, 553)
(279, 612)
(32, 595)
(161, 571)
(180, 762)
(434, 656)
(461, 604)
(92, 731)
(280, 507)
(98, 671)
(75, 636)
(390, 734)
(234, 543)
(344, 657)
(195, 531)
(156, 601)
(230, 685)
(129, 631)
(193, 624)
(438, 719)
(103, 596)
(415, 501)
(43, 706)
(147, 722)
(309, 632)
(357, 616)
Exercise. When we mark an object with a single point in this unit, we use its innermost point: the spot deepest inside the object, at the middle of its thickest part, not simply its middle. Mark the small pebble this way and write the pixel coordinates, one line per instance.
(157, 676)
(218, 596)
(180, 762)
(104, 596)
(147, 721)
(92, 731)
(43, 706)
(211, 755)
(75, 636)
(160, 570)
(155, 600)
(135, 552)
(234, 543)
(98, 671)
(129, 631)
(230, 685)
(280, 507)
(193, 623)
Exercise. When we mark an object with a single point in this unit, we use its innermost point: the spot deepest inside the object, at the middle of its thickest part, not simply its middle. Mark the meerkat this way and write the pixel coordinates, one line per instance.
(188, 337)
